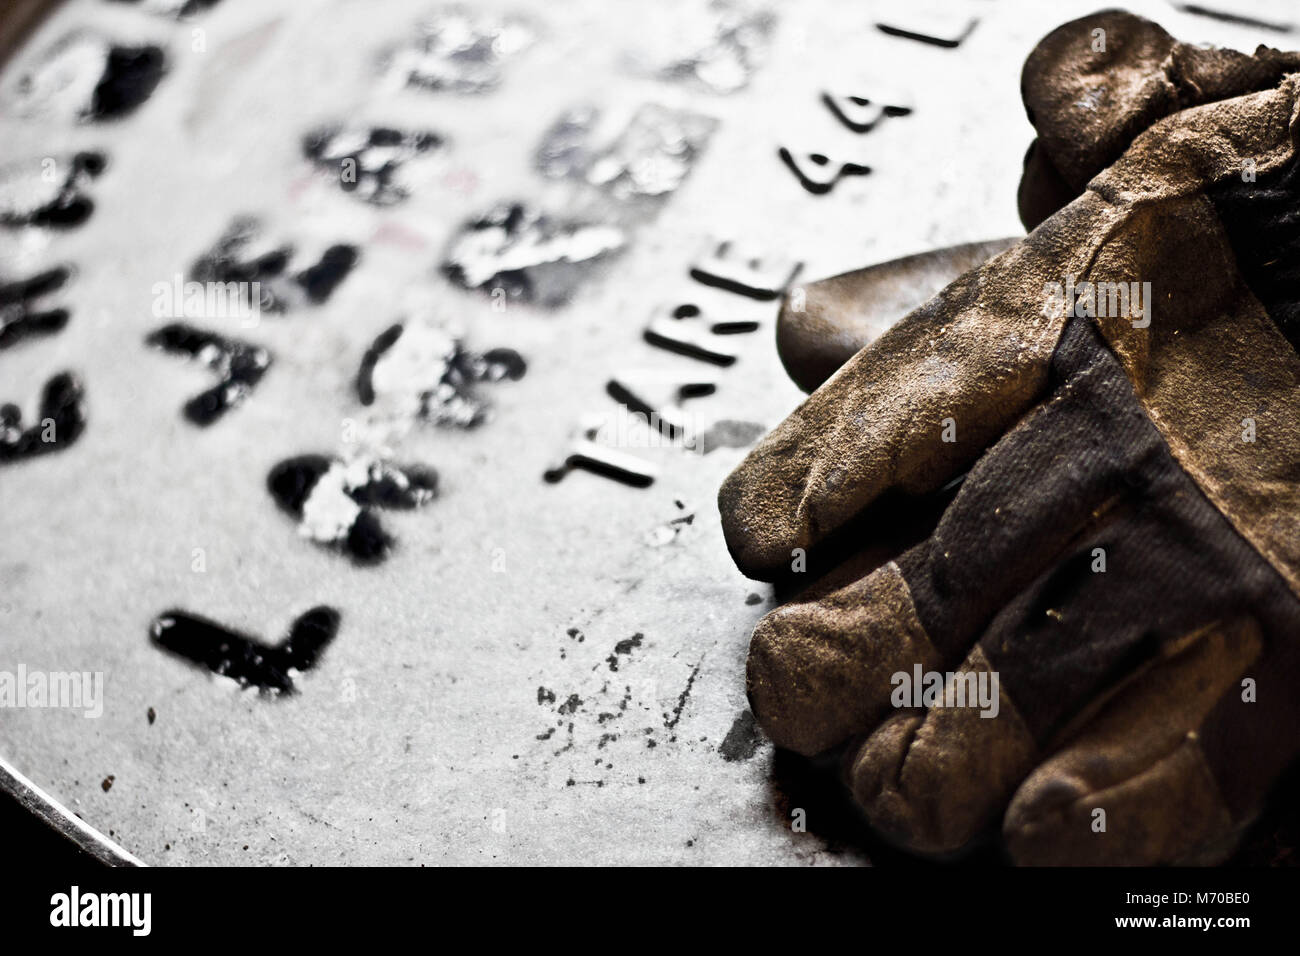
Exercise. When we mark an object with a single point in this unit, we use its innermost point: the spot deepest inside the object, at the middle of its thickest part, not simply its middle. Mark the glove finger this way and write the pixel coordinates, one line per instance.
(1171, 769)
(819, 671)
(1088, 94)
(912, 410)
(927, 778)
(824, 324)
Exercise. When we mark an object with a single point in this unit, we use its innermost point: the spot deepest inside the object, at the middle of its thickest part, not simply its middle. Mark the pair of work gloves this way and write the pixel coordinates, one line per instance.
(1045, 529)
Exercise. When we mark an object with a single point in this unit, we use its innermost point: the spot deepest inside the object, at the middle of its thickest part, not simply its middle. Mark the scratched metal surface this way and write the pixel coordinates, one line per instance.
(539, 672)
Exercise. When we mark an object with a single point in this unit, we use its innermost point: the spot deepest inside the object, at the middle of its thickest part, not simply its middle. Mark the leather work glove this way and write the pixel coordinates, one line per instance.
(1088, 95)
(1091, 85)
(1113, 579)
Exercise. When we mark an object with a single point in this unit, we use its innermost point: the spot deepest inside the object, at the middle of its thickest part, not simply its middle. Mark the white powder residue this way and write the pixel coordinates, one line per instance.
(328, 513)
(484, 253)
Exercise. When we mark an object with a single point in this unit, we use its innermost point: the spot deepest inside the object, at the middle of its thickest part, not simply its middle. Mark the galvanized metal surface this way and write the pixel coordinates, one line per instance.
(540, 672)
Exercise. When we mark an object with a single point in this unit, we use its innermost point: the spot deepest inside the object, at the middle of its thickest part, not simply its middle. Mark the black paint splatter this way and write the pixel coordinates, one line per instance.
(671, 720)
(321, 279)
(458, 50)
(560, 254)
(61, 420)
(130, 76)
(88, 78)
(180, 9)
(237, 365)
(623, 648)
(49, 193)
(21, 313)
(336, 502)
(369, 162)
(242, 658)
(440, 374)
(243, 255)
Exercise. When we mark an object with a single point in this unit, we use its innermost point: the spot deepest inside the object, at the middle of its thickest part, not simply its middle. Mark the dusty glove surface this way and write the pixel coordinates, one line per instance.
(836, 317)
(1157, 686)
(1088, 104)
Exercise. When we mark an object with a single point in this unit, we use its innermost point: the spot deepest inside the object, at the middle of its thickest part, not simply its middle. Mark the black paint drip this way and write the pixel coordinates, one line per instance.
(32, 199)
(320, 280)
(238, 367)
(182, 9)
(61, 420)
(293, 482)
(368, 162)
(365, 377)
(446, 392)
(21, 315)
(242, 658)
(230, 260)
(130, 76)
(561, 254)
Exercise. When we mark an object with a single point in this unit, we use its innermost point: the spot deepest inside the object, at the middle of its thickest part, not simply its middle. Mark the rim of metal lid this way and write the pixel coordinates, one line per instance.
(18, 18)
(61, 820)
